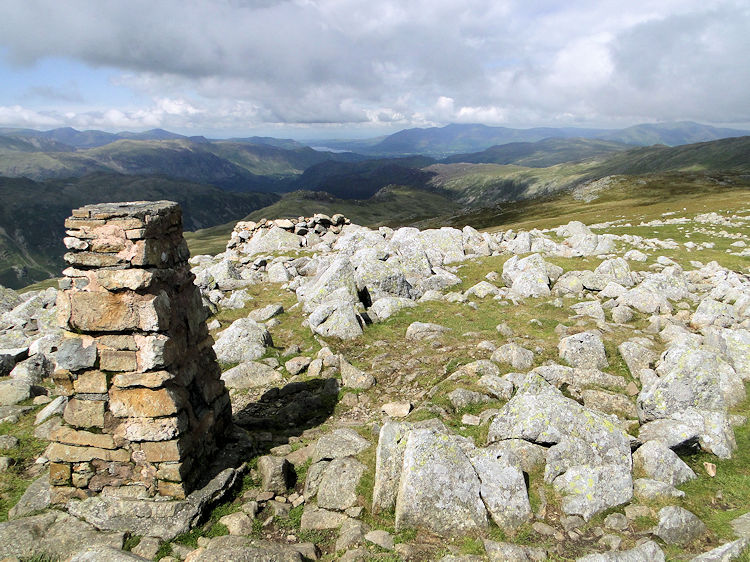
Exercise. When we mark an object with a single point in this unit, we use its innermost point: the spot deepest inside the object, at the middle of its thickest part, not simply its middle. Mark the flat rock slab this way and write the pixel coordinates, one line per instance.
(35, 498)
(162, 519)
(54, 534)
(648, 550)
(241, 549)
(339, 443)
(729, 551)
(741, 526)
(98, 553)
(250, 374)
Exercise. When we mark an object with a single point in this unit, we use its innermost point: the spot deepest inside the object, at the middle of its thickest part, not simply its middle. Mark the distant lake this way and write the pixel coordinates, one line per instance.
(328, 149)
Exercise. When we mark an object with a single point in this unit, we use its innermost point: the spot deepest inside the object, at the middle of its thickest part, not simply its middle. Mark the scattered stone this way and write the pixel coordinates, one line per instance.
(52, 534)
(584, 350)
(96, 553)
(239, 548)
(250, 374)
(53, 408)
(320, 519)
(543, 529)
(461, 398)
(383, 539)
(741, 525)
(338, 485)
(729, 551)
(588, 490)
(690, 377)
(646, 489)
(658, 462)
(424, 331)
(147, 547)
(14, 391)
(297, 364)
(500, 388)
(396, 409)
(616, 522)
(338, 444)
(646, 551)
(352, 533)
(678, 526)
(468, 419)
(439, 489)
(35, 498)
(265, 313)
(244, 340)
(352, 377)
(238, 523)
(275, 473)
(505, 551)
(8, 442)
(514, 355)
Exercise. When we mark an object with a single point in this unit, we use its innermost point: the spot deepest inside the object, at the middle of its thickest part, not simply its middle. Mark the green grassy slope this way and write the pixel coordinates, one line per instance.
(485, 184)
(640, 198)
(541, 154)
(724, 154)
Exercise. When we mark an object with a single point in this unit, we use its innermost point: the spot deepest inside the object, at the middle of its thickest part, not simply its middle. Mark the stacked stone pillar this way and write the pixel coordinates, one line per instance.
(147, 408)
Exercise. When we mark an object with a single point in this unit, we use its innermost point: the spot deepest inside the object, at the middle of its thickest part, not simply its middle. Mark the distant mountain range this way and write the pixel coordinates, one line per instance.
(231, 165)
(45, 174)
(458, 138)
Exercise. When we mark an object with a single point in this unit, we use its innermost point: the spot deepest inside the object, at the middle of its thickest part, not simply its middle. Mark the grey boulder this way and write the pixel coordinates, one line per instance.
(439, 488)
(584, 350)
(678, 526)
(658, 462)
(243, 340)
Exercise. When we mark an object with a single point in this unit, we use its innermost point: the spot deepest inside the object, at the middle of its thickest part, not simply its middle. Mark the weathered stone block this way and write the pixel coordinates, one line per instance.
(59, 474)
(116, 341)
(115, 360)
(115, 312)
(153, 379)
(75, 354)
(82, 438)
(151, 429)
(91, 259)
(164, 451)
(91, 382)
(59, 452)
(84, 413)
(117, 279)
(63, 382)
(174, 489)
(143, 402)
(156, 351)
(172, 471)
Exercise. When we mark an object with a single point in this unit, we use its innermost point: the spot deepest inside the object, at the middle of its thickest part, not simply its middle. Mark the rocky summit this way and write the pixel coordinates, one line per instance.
(571, 393)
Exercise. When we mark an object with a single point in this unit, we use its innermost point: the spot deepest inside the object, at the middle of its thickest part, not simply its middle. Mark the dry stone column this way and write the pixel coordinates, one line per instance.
(147, 408)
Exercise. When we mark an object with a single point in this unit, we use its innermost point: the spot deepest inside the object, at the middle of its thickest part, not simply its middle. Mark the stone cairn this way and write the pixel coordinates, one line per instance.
(147, 408)
(319, 224)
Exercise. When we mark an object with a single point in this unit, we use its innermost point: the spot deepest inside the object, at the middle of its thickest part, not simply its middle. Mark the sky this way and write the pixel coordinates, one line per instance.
(362, 68)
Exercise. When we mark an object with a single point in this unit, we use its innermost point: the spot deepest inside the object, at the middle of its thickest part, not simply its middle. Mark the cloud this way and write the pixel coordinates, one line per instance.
(68, 94)
(391, 63)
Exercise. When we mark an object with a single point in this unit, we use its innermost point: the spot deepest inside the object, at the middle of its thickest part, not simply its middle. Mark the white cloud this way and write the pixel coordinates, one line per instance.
(232, 63)
(19, 116)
